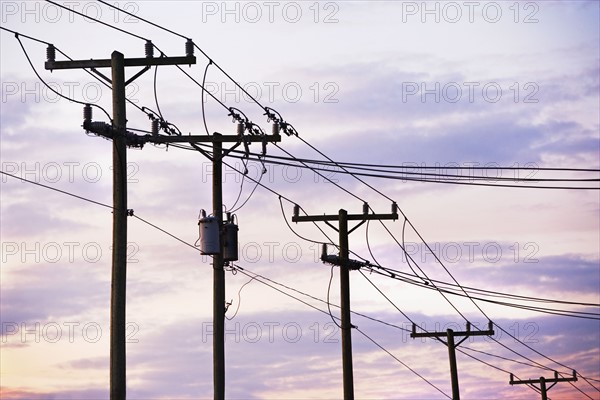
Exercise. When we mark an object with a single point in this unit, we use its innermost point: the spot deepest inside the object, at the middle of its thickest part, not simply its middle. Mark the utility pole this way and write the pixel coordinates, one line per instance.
(345, 266)
(543, 381)
(218, 276)
(450, 335)
(118, 133)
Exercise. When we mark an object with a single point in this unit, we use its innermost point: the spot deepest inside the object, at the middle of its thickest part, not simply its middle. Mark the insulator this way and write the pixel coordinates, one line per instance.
(87, 113)
(240, 128)
(296, 210)
(275, 128)
(149, 47)
(51, 53)
(365, 208)
(154, 127)
(189, 48)
(394, 208)
(324, 251)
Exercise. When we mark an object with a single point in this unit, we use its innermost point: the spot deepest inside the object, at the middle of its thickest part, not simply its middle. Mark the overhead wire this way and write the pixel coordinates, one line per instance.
(97, 20)
(239, 268)
(363, 333)
(43, 81)
(57, 190)
(356, 178)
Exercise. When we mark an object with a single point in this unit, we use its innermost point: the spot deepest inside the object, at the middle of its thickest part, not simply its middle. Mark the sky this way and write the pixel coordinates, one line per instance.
(403, 83)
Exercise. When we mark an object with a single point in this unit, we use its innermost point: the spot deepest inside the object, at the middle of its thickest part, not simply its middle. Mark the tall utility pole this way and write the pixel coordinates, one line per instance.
(450, 335)
(118, 132)
(343, 217)
(218, 260)
(543, 381)
(218, 277)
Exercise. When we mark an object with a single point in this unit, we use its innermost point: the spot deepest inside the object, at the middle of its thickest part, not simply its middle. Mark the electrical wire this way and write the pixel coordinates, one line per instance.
(363, 333)
(403, 364)
(97, 20)
(141, 19)
(546, 310)
(239, 268)
(443, 178)
(239, 295)
(203, 105)
(357, 178)
(48, 86)
(155, 93)
(328, 301)
(57, 190)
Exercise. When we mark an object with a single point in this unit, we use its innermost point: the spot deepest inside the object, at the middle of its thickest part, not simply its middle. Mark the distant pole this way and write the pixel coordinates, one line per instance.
(343, 261)
(453, 367)
(119, 256)
(218, 277)
(452, 345)
(544, 388)
(345, 307)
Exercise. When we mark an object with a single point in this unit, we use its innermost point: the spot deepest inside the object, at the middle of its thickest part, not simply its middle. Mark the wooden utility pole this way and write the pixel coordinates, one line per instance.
(119, 256)
(343, 217)
(217, 140)
(450, 335)
(118, 132)
(543, 381)
(218, 276)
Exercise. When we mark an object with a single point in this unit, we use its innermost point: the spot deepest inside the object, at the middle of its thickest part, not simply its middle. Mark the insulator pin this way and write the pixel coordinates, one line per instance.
(51, 53)
(154, 127)
(87, 113)
(189, 48)
(149, 47)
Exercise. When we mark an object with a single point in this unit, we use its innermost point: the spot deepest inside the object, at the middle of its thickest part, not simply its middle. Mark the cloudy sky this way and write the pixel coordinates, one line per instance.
(442, 84)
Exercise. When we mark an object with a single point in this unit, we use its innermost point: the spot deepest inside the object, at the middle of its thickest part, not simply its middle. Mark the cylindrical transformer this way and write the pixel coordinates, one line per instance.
(230, 241)
(209, 235)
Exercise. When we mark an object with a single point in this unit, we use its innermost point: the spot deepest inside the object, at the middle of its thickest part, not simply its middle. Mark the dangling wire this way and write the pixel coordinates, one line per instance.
(328, 303)
(239, 297)
(203, 90)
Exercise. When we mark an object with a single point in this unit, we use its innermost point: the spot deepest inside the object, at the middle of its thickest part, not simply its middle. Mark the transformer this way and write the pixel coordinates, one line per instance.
(230, 238)
(209, 234)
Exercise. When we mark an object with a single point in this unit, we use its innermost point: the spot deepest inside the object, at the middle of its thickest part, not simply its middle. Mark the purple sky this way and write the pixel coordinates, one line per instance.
(443, 84)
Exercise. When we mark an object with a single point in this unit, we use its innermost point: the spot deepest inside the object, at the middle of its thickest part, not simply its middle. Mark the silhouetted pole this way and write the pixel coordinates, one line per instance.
(450, 335)
(453, 367)
(343, 261)
(218, 276)
(348, 375)
(542, 381)
(121, 139)
(119, 261)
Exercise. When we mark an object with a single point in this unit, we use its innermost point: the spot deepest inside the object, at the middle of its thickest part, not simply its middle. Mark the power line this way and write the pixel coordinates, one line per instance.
(256, 276)
(405, 216)
(403, 364)
(42, 80)
(57, 190)
(546, 310)
(97, 20)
